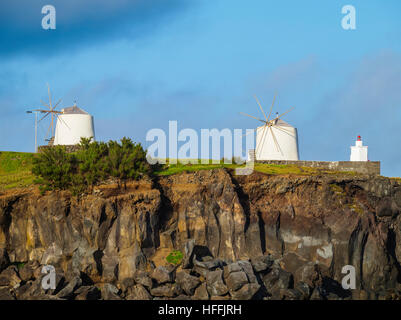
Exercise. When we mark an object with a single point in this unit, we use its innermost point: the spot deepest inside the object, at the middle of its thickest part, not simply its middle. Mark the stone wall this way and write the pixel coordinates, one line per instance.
(369, 167)
(68, 148)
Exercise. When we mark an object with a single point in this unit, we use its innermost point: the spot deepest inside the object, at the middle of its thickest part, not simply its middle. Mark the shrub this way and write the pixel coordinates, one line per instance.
(175, 257)
(55, 167)
(92, 163)
(126, 161)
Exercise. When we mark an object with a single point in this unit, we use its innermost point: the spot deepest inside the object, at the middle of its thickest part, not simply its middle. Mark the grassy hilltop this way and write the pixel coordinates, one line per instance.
(15, 169)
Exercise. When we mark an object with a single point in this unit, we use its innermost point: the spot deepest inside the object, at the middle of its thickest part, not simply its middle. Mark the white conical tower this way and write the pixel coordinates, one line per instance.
(359, 152)
(275, 139)
(72, 124)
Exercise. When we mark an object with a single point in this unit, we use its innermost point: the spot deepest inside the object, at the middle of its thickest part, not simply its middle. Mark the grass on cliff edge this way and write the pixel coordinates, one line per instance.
(273, 169)
(15, 169)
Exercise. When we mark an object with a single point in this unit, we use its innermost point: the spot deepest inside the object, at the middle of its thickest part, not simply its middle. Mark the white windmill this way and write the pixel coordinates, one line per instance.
(275, 139)
(73, 124)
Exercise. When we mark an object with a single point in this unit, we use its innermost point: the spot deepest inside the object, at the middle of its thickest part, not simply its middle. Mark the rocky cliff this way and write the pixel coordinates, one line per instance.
(243, 237)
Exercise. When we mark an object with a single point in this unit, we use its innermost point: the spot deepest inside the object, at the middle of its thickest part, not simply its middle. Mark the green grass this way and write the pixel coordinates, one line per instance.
(15, 170)
(272, 169)
(175, 257)
(169, 169)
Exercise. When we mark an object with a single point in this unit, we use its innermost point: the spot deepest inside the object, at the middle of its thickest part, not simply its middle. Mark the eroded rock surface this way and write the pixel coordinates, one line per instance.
(243, 237)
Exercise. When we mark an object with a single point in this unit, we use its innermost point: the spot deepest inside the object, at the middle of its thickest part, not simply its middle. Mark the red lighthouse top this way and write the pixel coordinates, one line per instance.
(359, 138)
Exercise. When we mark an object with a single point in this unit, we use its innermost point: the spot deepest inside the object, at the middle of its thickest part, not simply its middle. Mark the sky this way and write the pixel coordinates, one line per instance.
(137, 64)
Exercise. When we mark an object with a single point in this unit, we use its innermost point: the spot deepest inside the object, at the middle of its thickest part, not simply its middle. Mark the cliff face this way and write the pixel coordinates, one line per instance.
(304, 223)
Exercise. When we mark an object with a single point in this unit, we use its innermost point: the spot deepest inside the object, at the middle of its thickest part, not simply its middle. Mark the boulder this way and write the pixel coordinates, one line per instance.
(203, 267)
(304, 289)
(88, 293)
(143, 278)
(30, 290)
(290, 294)
(5, 294)
(187, 282)
(163, 274)
(26, 272)
(201, 293)
(247, 292)
(262, 263)
(9, 277)
(109, 292)
(168, 290)
(247, 268)
(316, 294)
(138, 292)
(215, 284)
(236, 280)
(68, 291)
(277, 279)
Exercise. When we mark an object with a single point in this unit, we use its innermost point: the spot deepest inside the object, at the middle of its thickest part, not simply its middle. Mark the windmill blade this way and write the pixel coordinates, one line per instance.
(57, 104)
(48, 130)
(44, 116)
(245, 114)
(50, 98)
(52, 124)
(44, 104)
(61, 119)
(285, 113)
(281, 129)
(262, 139)
(271, 108)
(41, 110)
(260, 107)
(275, 141)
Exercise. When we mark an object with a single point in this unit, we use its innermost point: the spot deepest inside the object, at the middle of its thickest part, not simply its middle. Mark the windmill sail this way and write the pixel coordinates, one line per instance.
(276, 139)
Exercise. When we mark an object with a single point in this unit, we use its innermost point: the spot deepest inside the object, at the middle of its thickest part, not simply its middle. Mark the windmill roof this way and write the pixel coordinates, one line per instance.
(73, 110)
(282, 123)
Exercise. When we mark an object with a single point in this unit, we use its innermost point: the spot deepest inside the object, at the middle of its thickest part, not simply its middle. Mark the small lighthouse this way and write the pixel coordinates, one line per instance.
(359, 152)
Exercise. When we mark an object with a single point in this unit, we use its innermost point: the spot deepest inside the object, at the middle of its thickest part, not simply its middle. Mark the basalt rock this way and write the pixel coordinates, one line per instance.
(309, 226)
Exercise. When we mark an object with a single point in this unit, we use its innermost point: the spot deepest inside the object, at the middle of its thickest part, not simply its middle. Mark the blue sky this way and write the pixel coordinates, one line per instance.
(137, 64)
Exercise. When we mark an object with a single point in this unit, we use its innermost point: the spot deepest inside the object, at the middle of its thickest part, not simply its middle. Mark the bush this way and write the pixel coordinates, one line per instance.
(55, 167)
(126, 161)
(92, 163)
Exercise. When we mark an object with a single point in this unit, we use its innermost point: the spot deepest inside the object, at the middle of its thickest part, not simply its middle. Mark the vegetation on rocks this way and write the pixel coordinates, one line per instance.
(242, 237)
(175, 257)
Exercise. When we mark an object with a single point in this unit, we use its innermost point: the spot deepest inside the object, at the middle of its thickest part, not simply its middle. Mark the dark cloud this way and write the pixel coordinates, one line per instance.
(79, 23)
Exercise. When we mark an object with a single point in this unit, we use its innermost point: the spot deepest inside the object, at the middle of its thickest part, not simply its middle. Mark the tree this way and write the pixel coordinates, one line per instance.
(126, 161)
(55, 167)
(92, 161)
